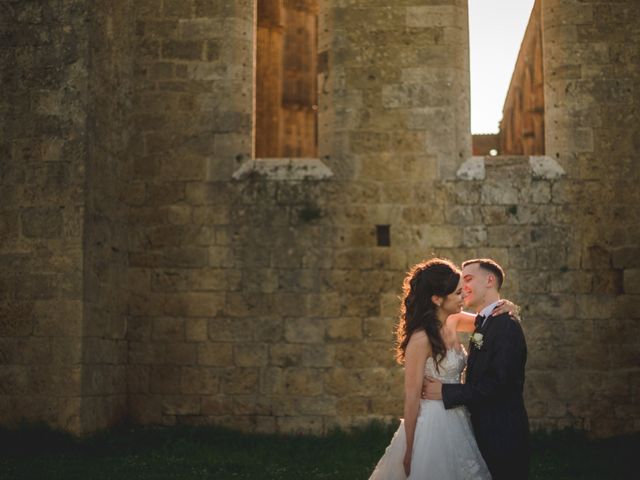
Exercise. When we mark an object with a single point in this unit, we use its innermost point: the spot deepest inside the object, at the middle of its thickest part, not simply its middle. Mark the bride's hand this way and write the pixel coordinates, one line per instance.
(406, 462)
(506, 306)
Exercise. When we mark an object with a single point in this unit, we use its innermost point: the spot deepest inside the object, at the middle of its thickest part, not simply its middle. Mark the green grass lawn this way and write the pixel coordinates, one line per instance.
(214, 453)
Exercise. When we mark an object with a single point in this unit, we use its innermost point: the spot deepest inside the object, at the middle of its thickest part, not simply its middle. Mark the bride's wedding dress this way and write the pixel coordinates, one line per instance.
(444, 447)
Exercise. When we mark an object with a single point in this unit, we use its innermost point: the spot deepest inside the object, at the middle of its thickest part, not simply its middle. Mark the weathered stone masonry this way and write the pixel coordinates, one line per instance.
(151, 270)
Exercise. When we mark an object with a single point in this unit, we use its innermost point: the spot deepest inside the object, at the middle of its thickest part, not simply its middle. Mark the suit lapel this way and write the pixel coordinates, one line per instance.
(473, 351)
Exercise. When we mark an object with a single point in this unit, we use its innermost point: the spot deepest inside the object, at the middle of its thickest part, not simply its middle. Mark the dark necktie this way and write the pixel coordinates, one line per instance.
(479, 320)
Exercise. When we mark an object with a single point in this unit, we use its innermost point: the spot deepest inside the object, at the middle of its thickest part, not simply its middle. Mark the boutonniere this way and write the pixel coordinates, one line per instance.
(477, 339)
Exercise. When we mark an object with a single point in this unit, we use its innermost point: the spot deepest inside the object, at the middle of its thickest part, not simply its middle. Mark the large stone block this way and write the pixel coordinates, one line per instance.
(250, 355)
(180, 354)
(215, 354)
(138, 379)
(16, 319)
(361, 381)
(361, 355)
(181, 405)
(142, 353)
(168, 329)
(248, 405)
(288, 355)
(217, 405)
(379, 328)
(196, 329)
(626, 257)
(194, 304)
(15, 380)
(344, 329)
(182, 49)
(42, 222)
(595, 306)
(200, 381)
(304, 330)
(165, 379)
(626, 306)
(292, 381)
(550, 306)
(632, 281)
(240, 381)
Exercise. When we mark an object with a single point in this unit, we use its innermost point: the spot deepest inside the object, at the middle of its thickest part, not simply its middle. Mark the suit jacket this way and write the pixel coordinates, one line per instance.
(493, 394)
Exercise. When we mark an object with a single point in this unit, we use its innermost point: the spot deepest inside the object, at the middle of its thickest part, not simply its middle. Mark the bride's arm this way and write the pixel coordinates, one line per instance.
(415, 357)
(461, 322)
(464, 322)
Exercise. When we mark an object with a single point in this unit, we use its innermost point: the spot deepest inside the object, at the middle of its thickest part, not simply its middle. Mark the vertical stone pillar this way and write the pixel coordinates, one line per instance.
(43, 138)
(269, 79)
(400, 78)
(300, 79)
(192, 118)
(592, 90)
(104, 348)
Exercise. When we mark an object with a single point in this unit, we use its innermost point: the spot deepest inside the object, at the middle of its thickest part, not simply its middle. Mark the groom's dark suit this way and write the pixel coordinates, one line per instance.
(493, 394)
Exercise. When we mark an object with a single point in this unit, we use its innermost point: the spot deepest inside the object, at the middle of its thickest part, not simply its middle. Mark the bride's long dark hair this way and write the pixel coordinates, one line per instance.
(417, 311)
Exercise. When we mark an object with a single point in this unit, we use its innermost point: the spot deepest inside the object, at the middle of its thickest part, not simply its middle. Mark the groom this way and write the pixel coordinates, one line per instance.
(495, 376)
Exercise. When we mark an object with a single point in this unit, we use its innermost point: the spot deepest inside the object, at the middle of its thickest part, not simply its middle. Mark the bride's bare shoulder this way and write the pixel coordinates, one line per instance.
(418, 345)
(418, 336)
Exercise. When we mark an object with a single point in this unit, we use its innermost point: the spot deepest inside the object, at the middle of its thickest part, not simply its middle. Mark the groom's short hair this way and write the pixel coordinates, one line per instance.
(490, 266)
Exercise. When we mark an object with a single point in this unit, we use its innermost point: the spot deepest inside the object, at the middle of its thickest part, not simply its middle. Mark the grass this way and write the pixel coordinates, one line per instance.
(35, 452)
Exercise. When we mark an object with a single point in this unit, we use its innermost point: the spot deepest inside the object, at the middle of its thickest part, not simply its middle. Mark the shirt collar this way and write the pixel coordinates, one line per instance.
(486, 311)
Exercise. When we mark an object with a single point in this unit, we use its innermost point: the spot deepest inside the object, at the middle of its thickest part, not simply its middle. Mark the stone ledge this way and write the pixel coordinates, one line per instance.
(284, 169)
(542, 167)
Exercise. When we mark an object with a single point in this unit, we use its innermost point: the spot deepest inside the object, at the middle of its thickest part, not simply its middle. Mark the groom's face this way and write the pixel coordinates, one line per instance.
(474, 285)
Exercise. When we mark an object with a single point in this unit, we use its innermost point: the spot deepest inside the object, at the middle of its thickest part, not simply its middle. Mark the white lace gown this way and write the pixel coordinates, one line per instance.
(444, 447)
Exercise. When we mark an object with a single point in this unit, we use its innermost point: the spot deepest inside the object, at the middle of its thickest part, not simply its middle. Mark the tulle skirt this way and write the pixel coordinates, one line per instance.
(444, 448)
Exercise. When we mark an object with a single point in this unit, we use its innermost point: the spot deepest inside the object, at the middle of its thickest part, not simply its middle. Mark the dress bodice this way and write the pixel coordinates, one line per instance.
(450, 368)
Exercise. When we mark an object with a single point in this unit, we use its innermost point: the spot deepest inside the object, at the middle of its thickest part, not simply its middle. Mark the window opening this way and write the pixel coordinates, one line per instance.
(495, 27)
(286, 79)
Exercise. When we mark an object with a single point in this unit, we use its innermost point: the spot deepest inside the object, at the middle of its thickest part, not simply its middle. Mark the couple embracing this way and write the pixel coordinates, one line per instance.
(454, 430)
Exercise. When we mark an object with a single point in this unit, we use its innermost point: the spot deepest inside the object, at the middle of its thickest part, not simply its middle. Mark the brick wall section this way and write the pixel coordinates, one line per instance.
(43, 146)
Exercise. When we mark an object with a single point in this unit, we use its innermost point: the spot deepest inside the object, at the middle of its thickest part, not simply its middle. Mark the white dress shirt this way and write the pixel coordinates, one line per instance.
(486, 311)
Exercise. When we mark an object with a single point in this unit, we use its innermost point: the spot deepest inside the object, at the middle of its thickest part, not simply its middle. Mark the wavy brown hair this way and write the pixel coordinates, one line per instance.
(417, 311)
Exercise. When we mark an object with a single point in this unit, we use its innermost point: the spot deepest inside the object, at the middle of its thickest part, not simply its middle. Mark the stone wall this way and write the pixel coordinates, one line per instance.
(110, 84)
(66, 82)
(592, 91)
(192, 127)
(43, 144)
(153, 269)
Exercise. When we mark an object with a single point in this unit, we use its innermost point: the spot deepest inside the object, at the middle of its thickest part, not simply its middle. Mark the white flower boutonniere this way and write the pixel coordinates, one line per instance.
(476, 340)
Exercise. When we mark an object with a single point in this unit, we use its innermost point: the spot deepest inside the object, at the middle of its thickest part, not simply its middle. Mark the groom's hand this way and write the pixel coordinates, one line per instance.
(431, 389)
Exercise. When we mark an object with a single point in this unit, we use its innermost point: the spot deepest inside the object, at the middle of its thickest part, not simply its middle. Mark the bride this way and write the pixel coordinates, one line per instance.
(431, 442)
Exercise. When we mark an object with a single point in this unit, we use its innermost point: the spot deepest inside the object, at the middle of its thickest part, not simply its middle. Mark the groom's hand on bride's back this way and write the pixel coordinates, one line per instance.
(431, 389)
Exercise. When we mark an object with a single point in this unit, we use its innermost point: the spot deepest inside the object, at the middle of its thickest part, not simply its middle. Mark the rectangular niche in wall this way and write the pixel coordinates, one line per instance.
(383, 235)
(286, 102)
